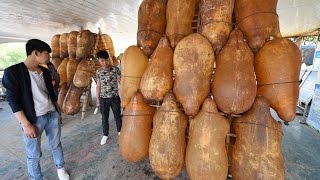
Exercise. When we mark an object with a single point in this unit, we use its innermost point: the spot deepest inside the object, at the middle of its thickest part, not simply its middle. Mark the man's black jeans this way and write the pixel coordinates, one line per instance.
(105, 104)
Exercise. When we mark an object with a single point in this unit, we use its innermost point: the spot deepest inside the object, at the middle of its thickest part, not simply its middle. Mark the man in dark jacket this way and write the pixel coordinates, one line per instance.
(31, 97)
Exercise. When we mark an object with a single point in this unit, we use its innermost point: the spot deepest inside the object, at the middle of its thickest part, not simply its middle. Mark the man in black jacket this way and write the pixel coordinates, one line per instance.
(31, 97)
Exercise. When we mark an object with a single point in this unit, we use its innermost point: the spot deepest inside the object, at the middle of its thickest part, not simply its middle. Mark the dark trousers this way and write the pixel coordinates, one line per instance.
(105, 104)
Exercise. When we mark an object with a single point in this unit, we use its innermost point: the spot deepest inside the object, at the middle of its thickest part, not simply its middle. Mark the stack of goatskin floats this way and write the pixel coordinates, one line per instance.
(72, 55)
(233, 69)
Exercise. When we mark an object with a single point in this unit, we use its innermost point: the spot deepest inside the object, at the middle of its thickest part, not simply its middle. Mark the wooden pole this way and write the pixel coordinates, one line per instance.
(86, 100)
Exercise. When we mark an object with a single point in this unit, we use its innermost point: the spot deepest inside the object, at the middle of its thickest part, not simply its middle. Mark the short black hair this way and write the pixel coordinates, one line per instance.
(38, 45)
(103, 54)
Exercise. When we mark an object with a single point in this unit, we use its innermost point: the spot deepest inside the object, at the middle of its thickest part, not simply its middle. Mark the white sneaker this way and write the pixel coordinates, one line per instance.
(104, 140)
(63, 174)
(119, 133)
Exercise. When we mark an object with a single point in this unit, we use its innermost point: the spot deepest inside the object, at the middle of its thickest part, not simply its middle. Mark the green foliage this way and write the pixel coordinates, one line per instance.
(11, 53)
(309, 40)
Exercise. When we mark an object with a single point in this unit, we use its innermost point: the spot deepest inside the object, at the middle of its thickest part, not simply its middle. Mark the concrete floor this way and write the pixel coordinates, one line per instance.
(87, 159)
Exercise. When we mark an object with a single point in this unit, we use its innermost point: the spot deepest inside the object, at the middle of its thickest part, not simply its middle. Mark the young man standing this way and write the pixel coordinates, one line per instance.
(108, 77)
(31, 97)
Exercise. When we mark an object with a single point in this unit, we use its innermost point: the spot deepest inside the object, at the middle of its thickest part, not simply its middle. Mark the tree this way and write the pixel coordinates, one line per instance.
(11, 53)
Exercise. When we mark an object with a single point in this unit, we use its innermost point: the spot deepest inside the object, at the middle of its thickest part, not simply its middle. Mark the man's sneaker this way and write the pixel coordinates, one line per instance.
(119, 133)
(63, 174)
(104, 140)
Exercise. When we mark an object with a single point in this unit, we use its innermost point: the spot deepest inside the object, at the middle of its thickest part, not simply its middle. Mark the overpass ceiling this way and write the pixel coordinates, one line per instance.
(26, 19)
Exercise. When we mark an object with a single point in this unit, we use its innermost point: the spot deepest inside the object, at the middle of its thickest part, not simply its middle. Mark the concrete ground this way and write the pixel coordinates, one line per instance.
(87, 159)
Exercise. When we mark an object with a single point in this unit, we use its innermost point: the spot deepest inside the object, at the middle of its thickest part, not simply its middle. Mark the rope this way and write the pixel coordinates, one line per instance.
(150, 30)
(169, 111)
(176, 35)
(138, 115)
(255, 14)
(223, 114)
(202, 25)
(258, 125)
(219, 113)
(131, 76)
(278, 83)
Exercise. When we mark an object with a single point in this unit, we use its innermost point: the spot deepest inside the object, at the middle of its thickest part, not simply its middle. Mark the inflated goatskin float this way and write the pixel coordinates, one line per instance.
(234, 85)
(133, 64)
(72, 44)
(151, 24)
(179, 20)
(193, 62)
(56, 62)
(62, 71)
(55, 45)
(82, 77)
(71, 103)
(168, 140)
(258, 20)
(63, 43)
(62, 94)
(216, 21)
(85, 43)
(157, 80)
(206, 154)
(136, 129)
(277, 66)
(71, 70)
(257, 152)
(107, 43)
(103, 42)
